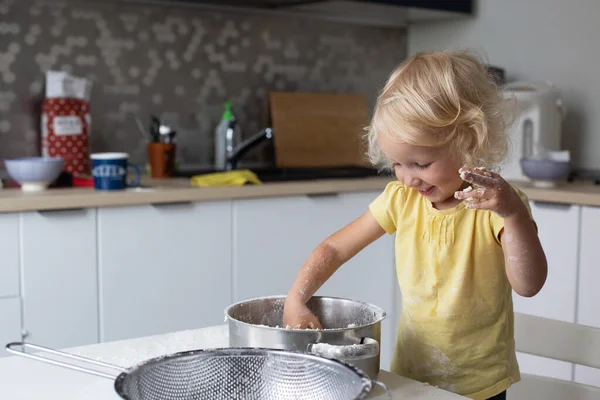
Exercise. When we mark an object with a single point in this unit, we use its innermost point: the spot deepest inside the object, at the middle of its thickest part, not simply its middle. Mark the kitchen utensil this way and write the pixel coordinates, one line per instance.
(159, 132)
(227, 373)
(154, 128)
(34, 173)
(352, 329)
(166, 134)
(318, 129)
(539, 115)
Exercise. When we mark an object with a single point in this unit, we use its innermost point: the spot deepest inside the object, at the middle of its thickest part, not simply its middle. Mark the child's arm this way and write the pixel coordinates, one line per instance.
(323, 262)
(526, 265)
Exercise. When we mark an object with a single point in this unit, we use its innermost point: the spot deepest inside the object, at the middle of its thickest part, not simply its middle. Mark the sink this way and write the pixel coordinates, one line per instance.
(275, 174)
(302, 174)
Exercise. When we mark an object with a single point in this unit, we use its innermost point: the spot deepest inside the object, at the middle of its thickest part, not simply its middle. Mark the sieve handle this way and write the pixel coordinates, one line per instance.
(12, 348)
(369, 348)
(384, 386)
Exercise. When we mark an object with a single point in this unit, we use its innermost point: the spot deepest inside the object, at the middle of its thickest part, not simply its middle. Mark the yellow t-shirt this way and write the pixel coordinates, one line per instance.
(456, 325)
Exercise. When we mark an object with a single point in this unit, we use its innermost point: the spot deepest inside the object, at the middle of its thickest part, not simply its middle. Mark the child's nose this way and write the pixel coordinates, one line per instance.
(412, 180)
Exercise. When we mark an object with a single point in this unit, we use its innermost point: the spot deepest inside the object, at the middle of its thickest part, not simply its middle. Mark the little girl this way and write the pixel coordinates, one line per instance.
(439, 124)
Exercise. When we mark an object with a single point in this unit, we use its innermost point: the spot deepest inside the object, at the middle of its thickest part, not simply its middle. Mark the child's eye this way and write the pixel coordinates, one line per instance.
(422, 166)
(394, 165)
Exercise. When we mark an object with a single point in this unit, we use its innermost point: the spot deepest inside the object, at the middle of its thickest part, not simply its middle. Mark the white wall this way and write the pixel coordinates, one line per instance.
(555, 40)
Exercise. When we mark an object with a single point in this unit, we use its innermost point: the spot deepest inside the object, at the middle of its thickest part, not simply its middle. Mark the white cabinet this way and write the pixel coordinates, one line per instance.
(558, 227)
(9, 248)
(370, 276)
(163, 268)
(10, 303)
(60, 287)
(589, 279)
(10, 322)
(273, 238)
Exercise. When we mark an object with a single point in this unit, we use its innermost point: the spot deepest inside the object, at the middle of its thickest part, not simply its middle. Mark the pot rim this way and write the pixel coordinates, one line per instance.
(370, 305)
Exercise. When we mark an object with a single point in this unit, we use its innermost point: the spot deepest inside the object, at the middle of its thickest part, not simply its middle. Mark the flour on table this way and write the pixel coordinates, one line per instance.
(160, 345)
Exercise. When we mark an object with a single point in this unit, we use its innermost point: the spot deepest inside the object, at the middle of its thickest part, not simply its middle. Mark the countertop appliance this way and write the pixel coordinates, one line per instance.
(537, 126)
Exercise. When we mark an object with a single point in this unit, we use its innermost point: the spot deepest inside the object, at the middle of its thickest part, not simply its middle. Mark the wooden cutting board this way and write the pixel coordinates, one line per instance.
(318, 129)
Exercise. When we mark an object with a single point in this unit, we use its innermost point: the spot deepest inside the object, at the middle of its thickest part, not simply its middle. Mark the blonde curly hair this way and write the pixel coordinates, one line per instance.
(440, 98)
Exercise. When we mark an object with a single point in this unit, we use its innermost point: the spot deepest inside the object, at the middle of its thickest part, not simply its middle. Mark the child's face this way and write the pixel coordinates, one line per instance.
(430, 170)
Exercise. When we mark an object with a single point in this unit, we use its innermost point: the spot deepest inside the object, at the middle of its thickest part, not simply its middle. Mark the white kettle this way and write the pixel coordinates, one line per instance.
(538, 124)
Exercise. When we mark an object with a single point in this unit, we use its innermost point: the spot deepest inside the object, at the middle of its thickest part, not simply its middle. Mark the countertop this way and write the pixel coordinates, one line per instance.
(25, 379)
(176, 190)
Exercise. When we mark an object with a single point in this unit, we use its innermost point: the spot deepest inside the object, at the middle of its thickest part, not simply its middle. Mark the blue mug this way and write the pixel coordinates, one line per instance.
(110, 171)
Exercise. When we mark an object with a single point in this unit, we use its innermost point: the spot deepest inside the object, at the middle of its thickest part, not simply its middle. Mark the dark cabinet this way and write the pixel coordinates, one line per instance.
(370, 12)
(454, 6)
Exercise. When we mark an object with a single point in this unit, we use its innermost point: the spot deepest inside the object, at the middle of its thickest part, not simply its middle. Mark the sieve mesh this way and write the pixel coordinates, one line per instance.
(242, 373)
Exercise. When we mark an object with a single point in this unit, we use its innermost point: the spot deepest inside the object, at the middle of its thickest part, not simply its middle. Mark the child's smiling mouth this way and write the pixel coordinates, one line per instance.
(427, 192)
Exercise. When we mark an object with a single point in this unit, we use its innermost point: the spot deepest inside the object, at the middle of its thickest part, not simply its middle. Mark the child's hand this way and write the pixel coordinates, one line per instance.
(296, 315)
(493, 192)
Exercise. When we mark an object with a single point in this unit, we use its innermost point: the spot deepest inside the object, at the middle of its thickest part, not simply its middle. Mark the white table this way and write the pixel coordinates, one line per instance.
(22, 378)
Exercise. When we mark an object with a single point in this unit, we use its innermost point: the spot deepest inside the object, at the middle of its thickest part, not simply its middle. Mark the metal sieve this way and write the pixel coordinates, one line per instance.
(225, 373)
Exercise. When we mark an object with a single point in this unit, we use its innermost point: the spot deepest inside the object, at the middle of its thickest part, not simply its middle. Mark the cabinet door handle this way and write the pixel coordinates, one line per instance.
(50, 211)
(322, 195)
(556, 206)
(172, 204)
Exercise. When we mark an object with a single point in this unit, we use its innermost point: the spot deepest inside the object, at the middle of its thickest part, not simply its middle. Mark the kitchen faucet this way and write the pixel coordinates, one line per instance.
(233, 154)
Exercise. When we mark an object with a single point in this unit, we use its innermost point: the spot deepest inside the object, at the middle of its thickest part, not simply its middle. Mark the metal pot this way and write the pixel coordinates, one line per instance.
(351, 329)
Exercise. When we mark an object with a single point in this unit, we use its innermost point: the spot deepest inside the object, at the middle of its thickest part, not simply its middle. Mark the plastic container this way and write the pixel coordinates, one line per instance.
(227, 135)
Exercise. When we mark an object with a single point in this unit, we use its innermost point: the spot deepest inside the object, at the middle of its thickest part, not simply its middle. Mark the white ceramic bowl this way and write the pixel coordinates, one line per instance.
(34, 173)
(545, 172)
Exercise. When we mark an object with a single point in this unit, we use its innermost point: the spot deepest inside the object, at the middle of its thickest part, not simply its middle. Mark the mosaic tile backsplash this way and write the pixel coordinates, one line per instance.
(178, 63)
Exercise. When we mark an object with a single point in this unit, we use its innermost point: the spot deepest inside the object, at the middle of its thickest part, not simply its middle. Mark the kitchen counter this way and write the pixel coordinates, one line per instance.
(25, 379)
(175, 190)
(583, 193)
(179, 190)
